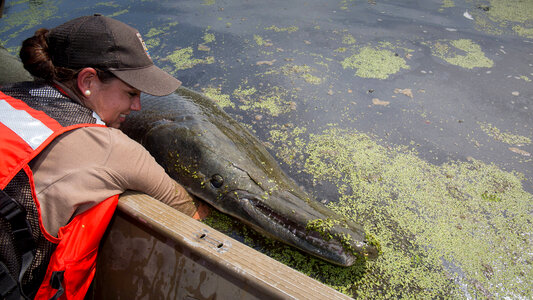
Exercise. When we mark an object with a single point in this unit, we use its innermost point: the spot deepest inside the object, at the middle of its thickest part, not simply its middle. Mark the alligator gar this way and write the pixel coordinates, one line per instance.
(219, 161)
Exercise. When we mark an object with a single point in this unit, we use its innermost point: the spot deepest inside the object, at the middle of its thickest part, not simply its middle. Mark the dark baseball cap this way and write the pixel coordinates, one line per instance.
(107, 44)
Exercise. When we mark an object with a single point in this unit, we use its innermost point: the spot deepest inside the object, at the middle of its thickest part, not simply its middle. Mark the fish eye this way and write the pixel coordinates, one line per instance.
(217, 181)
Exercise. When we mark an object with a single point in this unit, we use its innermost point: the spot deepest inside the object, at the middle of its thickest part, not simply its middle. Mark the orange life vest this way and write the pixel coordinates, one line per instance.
(24, 133)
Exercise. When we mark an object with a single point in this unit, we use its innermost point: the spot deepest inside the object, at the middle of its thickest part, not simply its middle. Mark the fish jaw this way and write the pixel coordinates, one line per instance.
(290, 220)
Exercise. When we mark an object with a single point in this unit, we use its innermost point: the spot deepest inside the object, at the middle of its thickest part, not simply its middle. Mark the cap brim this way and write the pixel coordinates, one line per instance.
(150, 80)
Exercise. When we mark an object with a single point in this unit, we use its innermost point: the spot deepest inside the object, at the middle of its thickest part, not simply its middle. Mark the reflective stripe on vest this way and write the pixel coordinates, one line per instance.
(24, 131)
(30, 129)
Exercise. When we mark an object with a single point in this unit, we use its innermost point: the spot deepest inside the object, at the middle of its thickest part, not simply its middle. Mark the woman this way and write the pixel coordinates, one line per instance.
(67, 165)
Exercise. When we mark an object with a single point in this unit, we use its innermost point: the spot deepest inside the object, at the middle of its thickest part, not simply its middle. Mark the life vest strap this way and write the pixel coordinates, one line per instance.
(9, 289)
(15, 214)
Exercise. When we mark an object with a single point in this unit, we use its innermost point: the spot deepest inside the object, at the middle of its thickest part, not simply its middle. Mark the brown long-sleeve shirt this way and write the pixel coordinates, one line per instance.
(86, 166)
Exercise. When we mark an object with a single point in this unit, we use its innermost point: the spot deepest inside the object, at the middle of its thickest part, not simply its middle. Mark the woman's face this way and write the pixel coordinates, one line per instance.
(114, 100)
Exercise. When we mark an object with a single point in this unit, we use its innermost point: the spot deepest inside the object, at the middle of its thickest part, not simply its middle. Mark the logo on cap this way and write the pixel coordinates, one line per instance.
(144, 46)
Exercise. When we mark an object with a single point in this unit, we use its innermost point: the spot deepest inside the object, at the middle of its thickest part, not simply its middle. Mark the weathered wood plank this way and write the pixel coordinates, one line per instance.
(151, 245)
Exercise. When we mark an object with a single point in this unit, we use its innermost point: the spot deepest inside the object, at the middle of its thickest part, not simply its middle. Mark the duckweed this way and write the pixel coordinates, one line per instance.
(31, 17)
(259, 40)
(221, 99)
(153, 35)
(322, 226)
(275, 28)
(348, 39)
(447, 3)
(463, 53)
(244, 93)
(209, 37)
(183, 59)
(435, 224)
(289, 142)
(375, 63)
(273, 101)
(504, 11)
(525, 78)
(118, 13)
(504, 137)
(154, 32)
(523, 31)
(507, 14)
(304, 72)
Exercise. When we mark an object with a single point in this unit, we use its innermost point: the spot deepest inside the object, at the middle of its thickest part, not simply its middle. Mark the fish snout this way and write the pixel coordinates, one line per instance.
(315, 230)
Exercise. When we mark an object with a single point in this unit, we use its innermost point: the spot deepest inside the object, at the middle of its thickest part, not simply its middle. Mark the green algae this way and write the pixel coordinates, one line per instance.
(108, 4)
(341, 50)
(447, 4)
(289, 29)
(525, 78)
(505, 11)
(244, 93)
(290, 140)
(154, 32)
(424, 214)
(271, 101)
(322, 226)
(504, 137)
(301, 71)
(220, 221)
(32, 16)
(523, 31)
(348, 39)
(377, 63)
(118, 13)
(259, 40)
(502, 15)
(153, 43)
(208, 38)
(463, 53)
(153, 36)
(183, 59)
(344, 4)
(222, 100)
(157, 31)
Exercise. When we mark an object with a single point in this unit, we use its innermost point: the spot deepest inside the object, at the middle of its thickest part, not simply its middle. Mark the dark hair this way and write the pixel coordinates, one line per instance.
(37, 60)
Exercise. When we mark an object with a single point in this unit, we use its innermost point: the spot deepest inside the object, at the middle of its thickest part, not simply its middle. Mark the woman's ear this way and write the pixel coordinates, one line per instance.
(87, 79)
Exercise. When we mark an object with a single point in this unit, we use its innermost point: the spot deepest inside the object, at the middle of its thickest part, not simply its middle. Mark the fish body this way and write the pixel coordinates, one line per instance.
(219, 161)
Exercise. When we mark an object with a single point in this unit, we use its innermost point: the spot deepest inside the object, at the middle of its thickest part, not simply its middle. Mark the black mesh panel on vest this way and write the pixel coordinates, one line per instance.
(40, 96)
(45, 98)
(19, 188)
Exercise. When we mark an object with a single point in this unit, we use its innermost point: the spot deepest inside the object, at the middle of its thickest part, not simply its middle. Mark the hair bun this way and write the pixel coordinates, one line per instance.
(35, 57)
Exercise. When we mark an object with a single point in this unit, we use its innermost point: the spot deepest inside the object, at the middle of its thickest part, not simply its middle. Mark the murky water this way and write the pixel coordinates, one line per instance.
(414, 118)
